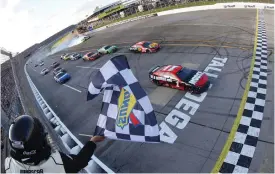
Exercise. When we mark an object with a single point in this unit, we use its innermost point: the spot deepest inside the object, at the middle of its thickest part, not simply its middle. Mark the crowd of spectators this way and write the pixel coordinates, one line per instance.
(7, 86)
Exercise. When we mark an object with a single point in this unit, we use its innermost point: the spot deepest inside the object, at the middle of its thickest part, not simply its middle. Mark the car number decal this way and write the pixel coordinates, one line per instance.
(195, 78)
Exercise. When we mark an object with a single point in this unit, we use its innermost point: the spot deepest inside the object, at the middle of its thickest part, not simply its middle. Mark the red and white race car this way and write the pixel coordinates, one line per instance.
(91, 56)
(145, 47)
(178, 77)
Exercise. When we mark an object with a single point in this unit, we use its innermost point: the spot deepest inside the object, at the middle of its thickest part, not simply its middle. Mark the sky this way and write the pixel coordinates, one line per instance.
(26, 22)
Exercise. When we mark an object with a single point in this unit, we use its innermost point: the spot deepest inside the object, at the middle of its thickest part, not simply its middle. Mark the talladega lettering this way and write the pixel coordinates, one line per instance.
(188, 105)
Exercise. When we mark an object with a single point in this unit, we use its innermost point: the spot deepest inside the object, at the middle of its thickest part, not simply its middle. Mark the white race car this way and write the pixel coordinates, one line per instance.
(75, 56)
(44, 71)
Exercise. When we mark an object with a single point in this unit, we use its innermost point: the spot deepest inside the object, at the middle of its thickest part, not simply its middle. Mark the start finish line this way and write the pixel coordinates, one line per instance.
(188, 105)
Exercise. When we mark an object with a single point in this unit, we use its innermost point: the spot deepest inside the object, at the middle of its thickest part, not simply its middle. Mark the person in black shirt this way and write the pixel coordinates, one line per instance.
(31, 153)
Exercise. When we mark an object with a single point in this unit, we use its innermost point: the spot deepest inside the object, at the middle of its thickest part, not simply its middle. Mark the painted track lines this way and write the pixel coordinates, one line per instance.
(72, 88)
(85, 135)
(87, 67)
(83, 67)
(240, 146)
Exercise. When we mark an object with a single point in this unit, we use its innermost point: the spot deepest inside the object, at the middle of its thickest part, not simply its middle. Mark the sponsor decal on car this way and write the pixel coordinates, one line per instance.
(180, 116)
(196, 78)
(153, 45)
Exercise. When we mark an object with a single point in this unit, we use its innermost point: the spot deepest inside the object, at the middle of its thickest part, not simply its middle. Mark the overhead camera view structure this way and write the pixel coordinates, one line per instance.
(160, 86)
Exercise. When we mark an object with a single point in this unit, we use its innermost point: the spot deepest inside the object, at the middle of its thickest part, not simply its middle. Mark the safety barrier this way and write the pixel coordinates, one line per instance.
(241, 5)
(71, 143)
(133, 19)
(189, 9)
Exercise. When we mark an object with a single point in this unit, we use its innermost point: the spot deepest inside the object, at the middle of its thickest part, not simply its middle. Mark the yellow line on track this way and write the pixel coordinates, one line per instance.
(235, 126)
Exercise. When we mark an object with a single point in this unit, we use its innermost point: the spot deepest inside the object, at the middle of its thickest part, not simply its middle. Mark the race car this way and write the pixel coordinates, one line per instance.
(108, 49)
(57, 70)
(62, 77)
(44, 71)
(178, 77)
(85, 38)
(145, 47)
(75, 56)
(91, 56)
(41, 63)
(65, 56)
(55, 64)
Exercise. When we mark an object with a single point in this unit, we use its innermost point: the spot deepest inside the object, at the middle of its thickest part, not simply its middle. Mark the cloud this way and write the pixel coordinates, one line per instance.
(14, 25)
(24, 23)
(3, 3)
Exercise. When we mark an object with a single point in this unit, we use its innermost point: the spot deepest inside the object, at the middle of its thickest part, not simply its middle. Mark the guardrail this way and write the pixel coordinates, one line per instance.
(71, 143)
(231, 5)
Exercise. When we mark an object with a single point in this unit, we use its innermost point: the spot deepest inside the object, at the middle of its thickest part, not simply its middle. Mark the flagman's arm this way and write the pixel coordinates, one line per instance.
(74, 163)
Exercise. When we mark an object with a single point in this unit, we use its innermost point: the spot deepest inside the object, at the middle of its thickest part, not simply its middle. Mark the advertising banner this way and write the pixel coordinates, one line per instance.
(110, 11)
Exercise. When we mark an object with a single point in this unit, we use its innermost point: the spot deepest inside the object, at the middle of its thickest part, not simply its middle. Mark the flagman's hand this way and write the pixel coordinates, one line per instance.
(97, 139)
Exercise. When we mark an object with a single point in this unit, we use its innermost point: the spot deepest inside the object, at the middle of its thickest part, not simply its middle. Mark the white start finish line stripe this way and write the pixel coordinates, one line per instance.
(188, 105)
(72, 88)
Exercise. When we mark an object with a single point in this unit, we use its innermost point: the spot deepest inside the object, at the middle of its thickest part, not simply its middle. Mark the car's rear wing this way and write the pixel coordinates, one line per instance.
(154, 69)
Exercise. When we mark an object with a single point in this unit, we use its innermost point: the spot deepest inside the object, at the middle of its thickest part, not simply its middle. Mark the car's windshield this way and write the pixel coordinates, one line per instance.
(146, 44)
(90, 54)
(185, 74)
(74, 55)
(60, 75)
(57, 69)
(44, 69)
(107, 47)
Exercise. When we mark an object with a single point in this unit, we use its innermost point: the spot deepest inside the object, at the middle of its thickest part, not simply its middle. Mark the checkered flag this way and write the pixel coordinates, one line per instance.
(126, 112)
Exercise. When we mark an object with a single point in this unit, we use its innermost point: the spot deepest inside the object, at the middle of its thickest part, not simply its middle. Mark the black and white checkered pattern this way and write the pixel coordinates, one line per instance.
(113, 76)
(244, 144)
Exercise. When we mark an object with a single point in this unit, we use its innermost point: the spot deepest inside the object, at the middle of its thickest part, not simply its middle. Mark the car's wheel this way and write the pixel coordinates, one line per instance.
(148, 51)
(157, 83)
(195, 90)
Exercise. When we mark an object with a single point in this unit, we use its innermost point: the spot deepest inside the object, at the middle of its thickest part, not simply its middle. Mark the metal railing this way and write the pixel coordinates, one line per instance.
(71, 143)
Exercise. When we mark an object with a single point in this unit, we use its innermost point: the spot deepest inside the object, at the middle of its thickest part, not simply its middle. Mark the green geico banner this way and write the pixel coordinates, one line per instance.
(110, 11)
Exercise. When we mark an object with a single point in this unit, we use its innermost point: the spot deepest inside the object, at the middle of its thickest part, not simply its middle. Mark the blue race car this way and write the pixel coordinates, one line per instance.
(62, 77)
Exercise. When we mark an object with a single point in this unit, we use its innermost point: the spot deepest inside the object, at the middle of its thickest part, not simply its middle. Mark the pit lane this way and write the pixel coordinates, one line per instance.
(191, 39)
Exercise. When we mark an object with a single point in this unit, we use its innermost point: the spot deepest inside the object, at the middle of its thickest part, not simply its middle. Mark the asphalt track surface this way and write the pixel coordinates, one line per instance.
(191, 39)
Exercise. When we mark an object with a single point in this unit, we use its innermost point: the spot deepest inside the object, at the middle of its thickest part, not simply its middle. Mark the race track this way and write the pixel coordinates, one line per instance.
(194, 40)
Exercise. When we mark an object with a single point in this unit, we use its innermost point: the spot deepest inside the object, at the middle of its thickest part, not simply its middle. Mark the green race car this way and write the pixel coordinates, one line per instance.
(108, 49)
(65, 56)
